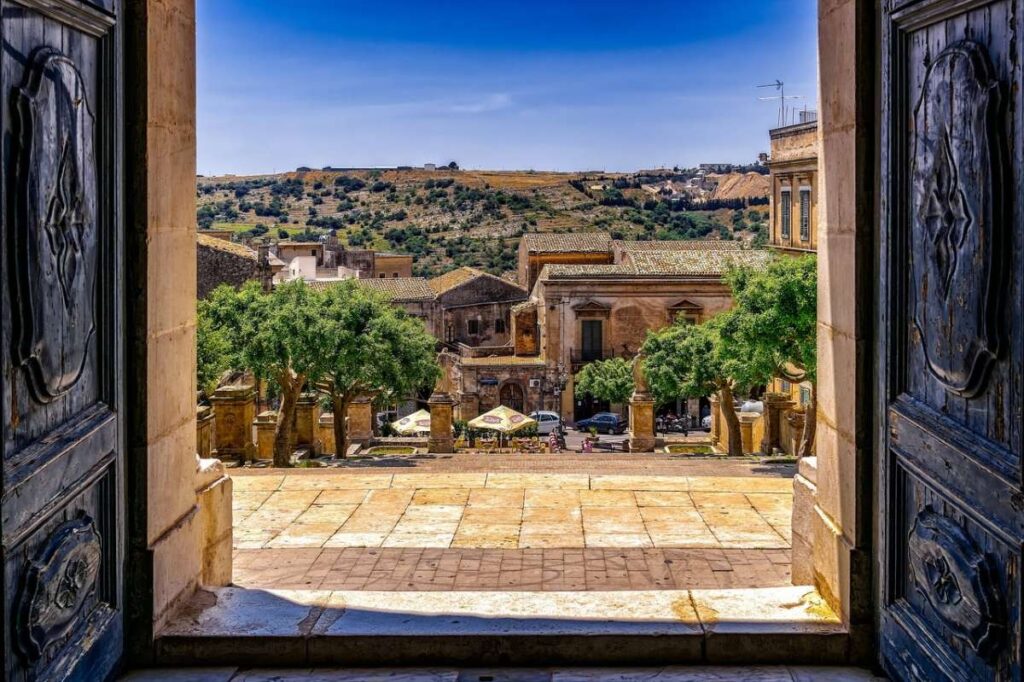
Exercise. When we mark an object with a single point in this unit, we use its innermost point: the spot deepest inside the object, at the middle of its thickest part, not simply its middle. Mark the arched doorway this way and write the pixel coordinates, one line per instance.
(511, 395)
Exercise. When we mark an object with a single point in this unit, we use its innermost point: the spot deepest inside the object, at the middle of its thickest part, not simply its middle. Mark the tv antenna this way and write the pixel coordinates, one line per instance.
(780, 88)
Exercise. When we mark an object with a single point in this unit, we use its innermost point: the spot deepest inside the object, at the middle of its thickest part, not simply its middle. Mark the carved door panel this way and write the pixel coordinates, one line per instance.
(61, 389)
(951, 340)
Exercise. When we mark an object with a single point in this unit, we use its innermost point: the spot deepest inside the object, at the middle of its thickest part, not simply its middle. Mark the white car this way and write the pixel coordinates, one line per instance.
(546, 422)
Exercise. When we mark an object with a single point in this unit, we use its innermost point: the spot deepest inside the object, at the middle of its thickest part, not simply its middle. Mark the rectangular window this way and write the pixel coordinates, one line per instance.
(785, 213)
(499, 326)
(805, 396)
(805, 214)
(473, 327)
(786, 386)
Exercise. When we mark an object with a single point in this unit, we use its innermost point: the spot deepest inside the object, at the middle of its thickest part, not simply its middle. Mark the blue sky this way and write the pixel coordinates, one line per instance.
(555, 85)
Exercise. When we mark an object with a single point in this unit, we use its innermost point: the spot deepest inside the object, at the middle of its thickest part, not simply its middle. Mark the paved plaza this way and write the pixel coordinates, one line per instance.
(555, 526)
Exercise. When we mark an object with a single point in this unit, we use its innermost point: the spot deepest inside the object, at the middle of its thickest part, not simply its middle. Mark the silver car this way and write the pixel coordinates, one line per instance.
(546, 421)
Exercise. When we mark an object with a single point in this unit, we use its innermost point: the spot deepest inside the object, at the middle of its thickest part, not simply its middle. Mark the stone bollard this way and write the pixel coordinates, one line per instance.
(204, 431)
(747, 421)
(360, 422)
(265, 425)
(796, 429)
(775, 407)
(641, 423)
(326, 428)
(234, 408)
(441, 440)
(307, 416)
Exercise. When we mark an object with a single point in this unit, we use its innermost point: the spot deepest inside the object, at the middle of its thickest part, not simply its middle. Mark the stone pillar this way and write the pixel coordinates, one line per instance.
(747, 421)
(716, 420)
(204, 430)
(796, 429)
(234, 408)
(307, 415)
(265, 424)
(641, 423)
(360, 422)
(326, 427)
(441, 440)
(805, 493)
(775, 406)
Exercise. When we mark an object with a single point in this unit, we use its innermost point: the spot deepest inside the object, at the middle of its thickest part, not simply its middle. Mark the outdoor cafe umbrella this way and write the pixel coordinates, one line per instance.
(417, 422)
(502, 419)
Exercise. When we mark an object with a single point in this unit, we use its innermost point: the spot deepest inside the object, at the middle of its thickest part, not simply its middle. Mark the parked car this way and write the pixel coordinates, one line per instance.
(604, 422)
(705, 423)
(546, 422)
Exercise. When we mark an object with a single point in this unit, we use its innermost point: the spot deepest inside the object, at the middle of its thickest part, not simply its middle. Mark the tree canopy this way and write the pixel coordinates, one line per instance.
(280, 337)
(372, 348)
(610, 380)
(780, 316)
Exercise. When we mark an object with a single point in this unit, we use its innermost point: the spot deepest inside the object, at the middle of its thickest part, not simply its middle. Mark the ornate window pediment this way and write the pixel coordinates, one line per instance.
(592, 309)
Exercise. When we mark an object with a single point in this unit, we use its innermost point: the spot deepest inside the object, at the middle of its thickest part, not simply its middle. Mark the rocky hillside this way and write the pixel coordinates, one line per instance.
(448, 218)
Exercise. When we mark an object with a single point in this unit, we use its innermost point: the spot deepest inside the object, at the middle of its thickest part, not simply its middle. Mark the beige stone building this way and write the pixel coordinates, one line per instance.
(794, 231)
(537, 250)
(474, 308)
(582, 308)
(794, 188)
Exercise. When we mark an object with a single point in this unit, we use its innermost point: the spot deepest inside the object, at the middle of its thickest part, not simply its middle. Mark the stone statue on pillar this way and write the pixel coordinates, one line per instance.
(441, 406)
(641, 409)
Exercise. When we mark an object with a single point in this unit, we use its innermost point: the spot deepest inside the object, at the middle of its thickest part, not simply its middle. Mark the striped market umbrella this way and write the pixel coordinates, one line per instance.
(417, 422)
(502, 419)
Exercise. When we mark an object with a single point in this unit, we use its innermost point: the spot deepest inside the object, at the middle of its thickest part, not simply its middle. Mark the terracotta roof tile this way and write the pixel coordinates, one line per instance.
(585, 242)
(679, 245)
(453, 278)
(395, 289)
(225, 246)
(695, 263)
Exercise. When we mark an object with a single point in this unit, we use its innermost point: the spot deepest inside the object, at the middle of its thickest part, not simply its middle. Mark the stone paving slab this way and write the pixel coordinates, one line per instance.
(544, 569)
(666, 674)
(446, 510)
(360, 627)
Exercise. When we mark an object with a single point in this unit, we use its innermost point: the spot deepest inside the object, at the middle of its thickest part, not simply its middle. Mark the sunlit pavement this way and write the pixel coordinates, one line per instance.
(391, 530)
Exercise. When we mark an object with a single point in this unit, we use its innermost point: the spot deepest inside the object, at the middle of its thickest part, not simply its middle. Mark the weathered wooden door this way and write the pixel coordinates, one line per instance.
(951, 334)
(62, 381)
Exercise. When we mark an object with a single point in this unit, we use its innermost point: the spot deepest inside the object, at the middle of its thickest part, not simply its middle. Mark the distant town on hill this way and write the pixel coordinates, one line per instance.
(446, 218)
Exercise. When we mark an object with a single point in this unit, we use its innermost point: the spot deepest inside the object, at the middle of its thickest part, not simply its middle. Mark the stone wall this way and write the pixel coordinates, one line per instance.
(178, 506)
(216, 266)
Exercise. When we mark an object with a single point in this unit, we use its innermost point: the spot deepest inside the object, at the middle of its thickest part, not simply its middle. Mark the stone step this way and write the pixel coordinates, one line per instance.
(253, 627)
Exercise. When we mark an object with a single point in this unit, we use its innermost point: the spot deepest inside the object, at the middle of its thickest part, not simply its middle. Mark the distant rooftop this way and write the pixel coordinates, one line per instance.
(586, 242)
(395, 289)
(679, 245)
(459, 276)
(454, 278)
(225, 246)
(692, 263)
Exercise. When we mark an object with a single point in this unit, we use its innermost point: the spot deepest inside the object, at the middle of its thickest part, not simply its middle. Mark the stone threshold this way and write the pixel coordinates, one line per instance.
(254, 627)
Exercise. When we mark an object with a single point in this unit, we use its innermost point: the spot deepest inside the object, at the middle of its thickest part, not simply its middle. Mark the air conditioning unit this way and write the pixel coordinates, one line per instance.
(534, 383)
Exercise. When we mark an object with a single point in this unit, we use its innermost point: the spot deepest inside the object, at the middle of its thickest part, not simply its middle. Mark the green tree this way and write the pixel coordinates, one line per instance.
(692, 361)
(778, 329)
(281, 337)
(213, 350)
(610, 380)
(372, 348)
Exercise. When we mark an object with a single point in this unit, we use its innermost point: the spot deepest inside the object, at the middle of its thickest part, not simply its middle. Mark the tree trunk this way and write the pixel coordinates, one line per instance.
(810, 424)
(284, 431)
(732, 422)
(339, 405)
